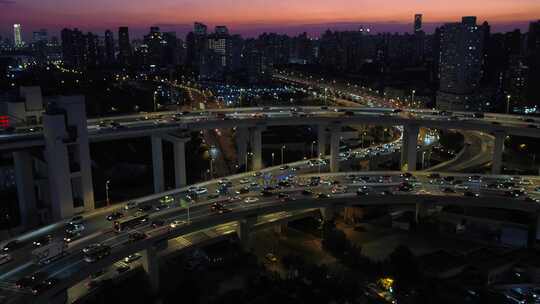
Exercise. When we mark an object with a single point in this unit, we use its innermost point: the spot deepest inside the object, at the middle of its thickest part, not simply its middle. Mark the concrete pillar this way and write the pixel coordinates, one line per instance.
(334, 149)
(150, 265)
(498, 149)
(58, 166)
(87, 185)
(409, 148)
(256, 147)
(24, 176)
(281, 229)
(243, 229)
(421, 211)
(242, 139)
(533, 231)
(328, 213)
(157, 164)
(321, 140)
(180, 176)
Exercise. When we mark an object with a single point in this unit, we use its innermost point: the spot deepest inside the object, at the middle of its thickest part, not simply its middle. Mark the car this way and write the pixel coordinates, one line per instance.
(30, 280)
(405, 187)
(71, 236)
(537, 189)
(515, 193)
(44, 240)
(243, 190)
(200, 190)
(131, 258)
(114, 216)
(307, 192)
(5, 258)
(167, 199)
(244, 181)
(322, 195)
(284, 196)
(257, 174)
(283, 168)
(161, 207)
(471, 194)
(532, 199)
(284, 184)
(362, 191)
(339, 189)
(145, 208)
(157, 223)
(177, 223)
(136, 236)
(250, 200)
(448, 190)
(461, 187)
(73, 228)
(496, 123)
(267, 193)
(449, 178)
(76, 220)
(40, 288)
(216, 206)
(386, 193)
(122, 268)
(270, 257)
(13, 245)
(130, 205)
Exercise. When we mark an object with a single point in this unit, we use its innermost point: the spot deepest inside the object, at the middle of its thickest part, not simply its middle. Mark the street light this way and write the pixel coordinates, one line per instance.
(312, 148)
(107, 183)
(282, 149)
(155, 98)
(212, 153)
(273, 159)
(508, 103)
(412, 97)
(247, 156)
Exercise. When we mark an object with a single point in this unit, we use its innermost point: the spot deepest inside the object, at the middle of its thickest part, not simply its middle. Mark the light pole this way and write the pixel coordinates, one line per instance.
(155, 99)
(282, 149)
(412, 97)
(247, 158)
(273, 158)
(312, 148)
(320, 161)
(212, 153)
(107, 183)
(508, 103)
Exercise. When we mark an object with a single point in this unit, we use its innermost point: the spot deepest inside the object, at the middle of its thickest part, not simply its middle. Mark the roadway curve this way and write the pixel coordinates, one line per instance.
(71, 269)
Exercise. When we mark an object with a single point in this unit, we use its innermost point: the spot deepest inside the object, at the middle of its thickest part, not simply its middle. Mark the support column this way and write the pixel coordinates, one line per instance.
(328, 213)
(533, 231)
(26, 194)
(334, 149)
(180, 176)
(281, 229)
(498, 149)
(256, 148)
(242, 139)
(58, 169)
(157, 164)
(321, 140)
(243, 229)
(421, 211)
(409, 148)
(150, 265)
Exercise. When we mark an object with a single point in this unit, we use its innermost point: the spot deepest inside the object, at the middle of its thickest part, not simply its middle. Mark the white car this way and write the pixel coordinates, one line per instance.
(250, 200)
(177, 223)
(4, 258)
(244, 181)
(461, 187)
(130, 205)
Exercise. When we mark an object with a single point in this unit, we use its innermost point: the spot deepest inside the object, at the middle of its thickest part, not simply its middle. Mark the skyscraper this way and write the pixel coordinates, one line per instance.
(17, 37)
(417, 23)
(40, 36)
(200, 29)
(109, 47)
(460, 65)
(124, 45)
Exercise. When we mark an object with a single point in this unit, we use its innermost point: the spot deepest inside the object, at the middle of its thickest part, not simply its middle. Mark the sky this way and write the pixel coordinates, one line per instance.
(250, 17)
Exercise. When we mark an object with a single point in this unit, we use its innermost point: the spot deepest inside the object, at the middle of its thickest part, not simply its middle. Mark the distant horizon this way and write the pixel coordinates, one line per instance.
(314, 30)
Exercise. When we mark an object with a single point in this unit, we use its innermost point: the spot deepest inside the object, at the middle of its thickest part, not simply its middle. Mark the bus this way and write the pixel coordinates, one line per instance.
(96, 253)
(124, 224)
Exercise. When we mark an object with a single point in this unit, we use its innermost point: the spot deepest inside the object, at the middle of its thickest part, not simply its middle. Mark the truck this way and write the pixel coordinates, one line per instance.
(50, 252)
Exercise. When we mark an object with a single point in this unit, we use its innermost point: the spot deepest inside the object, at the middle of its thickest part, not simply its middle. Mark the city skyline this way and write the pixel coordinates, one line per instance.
(252, 18)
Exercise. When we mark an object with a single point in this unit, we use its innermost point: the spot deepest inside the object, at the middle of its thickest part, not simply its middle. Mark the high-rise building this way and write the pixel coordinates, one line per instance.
(221, 30)
(460, 65)
(124, 45)
(73, 47)
(533, 39)
(40, 36)
(17, 36)
(417, 23)
(109, 47)
(200, 29)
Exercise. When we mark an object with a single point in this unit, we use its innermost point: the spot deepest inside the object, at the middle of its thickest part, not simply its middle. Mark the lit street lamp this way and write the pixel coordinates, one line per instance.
(247, 157)
(312, 148)
(508, 103)
(212, 153)
(282, 149)
(273, 159)
(412, 97)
